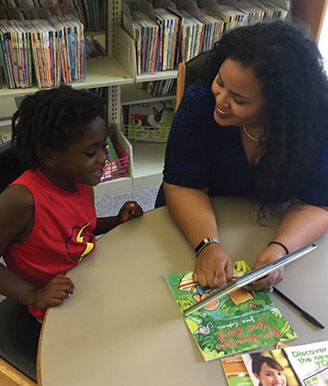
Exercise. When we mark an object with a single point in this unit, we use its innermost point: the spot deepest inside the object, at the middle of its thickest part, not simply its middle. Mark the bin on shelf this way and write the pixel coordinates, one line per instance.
(116, 168)
(147, 133)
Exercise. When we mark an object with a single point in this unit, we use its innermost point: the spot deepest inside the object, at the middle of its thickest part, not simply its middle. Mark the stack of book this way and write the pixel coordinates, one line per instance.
(199, 35)
(54, 48)
(160, 88)
(91, 13)
(166, 37)
(147, 42)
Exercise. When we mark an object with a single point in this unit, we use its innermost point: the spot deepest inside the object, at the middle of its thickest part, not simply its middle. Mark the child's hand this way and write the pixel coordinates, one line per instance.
(53, 293)
(129, 210)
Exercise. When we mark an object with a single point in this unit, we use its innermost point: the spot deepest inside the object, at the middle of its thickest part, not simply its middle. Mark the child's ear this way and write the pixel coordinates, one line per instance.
(47, 156)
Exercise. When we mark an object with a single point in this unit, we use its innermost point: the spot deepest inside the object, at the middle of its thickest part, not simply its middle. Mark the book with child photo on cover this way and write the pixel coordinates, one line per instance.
(236, 323)
(304, 365)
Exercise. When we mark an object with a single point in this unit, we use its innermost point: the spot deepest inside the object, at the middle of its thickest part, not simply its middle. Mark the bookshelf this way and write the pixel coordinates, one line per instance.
(101, 72)
(118, 73)
(132, 94)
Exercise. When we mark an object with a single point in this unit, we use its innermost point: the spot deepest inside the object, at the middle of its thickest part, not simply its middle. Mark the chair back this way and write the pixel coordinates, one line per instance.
(189, 72)
(10, 167)
(19, 336)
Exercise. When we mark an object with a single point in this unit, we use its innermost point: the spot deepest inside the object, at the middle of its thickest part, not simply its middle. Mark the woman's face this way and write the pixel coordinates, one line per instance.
(238, 96)
(270, 376)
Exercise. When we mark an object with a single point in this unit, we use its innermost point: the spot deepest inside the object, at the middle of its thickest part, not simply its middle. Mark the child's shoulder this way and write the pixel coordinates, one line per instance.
(17, 213)
(17, 198)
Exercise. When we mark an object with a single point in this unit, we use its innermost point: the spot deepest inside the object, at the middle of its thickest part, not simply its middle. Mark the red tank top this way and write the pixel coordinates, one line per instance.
(62, 234)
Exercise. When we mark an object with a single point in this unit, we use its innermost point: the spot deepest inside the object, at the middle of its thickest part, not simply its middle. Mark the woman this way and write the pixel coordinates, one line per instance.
(256, 125)
(268, 372)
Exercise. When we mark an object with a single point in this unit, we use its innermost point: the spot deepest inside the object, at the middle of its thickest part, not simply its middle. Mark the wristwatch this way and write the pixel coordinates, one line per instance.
(204, 243)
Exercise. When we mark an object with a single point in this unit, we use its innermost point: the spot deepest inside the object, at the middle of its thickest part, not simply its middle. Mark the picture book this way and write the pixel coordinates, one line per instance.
(236, 323)
(305, 365)
(150, 121)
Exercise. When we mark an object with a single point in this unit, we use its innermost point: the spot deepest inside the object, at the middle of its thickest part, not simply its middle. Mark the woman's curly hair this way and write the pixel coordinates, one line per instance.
(52, 118)
(294, 84)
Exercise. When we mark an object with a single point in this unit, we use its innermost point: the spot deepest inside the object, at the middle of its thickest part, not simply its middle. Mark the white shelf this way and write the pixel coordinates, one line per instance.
(133, 94)
(159, 75)
(148, 164)
(120, 185)
(101, 72)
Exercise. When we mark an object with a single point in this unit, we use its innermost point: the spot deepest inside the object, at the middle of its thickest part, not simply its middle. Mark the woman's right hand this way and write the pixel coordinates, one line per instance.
(213, 267)
(53, 293)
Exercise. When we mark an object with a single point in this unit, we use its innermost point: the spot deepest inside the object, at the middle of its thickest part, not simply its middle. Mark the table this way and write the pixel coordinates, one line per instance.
(122, 325)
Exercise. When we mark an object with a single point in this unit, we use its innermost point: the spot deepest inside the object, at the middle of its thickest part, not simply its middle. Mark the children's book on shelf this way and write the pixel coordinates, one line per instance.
(236, 323)
(52, 51)
(303, 365)
(150, 121)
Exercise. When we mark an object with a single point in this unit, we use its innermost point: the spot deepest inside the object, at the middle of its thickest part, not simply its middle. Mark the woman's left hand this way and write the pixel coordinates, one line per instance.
(272, 253)
(269, 280)
(129, 210)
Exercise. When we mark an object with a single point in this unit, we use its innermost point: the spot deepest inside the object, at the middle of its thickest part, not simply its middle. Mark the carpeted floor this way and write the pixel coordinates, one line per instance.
(110, 205)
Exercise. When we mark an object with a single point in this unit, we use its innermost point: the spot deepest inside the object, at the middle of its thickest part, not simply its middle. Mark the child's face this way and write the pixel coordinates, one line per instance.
(270, 376)
(83, 161)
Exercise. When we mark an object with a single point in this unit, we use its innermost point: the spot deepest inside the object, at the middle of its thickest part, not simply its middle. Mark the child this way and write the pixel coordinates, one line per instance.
(48, 221)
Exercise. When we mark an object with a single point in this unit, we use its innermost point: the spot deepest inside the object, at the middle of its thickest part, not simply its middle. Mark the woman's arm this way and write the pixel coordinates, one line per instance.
(301, 225)
(192, 211)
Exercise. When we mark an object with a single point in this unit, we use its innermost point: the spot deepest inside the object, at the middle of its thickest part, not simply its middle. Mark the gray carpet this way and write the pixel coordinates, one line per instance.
(110, 205)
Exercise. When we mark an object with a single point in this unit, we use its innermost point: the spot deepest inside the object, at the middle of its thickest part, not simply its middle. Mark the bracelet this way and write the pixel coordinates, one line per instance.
(204, 243)
(281, 244)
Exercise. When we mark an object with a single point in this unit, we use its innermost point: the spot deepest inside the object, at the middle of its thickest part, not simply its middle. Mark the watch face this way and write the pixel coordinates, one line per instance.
(203, 243)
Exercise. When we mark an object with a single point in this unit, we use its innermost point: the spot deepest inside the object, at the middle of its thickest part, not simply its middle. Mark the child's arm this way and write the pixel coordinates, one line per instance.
(129, 210)
(16, 223)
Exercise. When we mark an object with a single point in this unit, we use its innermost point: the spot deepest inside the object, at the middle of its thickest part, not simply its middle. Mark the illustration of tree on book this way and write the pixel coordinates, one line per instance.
(236, 323)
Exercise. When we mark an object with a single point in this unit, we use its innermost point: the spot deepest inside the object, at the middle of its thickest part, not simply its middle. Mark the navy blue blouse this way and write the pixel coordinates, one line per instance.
(202, 154)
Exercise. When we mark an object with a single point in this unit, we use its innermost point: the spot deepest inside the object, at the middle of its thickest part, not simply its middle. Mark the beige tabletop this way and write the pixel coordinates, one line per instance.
(122, 325)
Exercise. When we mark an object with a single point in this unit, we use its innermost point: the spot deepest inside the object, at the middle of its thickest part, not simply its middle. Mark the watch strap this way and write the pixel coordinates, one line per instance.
(204, 243)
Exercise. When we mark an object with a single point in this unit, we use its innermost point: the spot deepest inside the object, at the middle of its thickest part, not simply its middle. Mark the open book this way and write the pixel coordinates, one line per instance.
(236, 323)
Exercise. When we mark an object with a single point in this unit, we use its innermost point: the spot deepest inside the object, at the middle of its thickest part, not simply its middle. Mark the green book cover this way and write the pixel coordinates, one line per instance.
(112, 152)
(238, 322)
